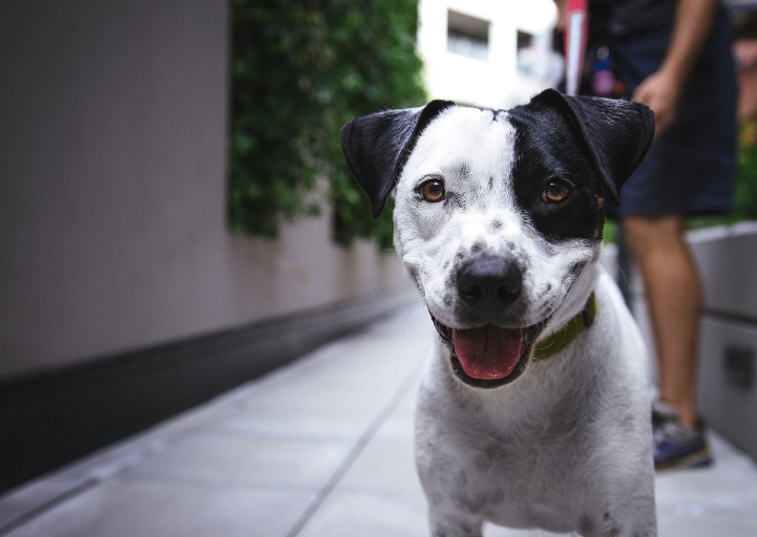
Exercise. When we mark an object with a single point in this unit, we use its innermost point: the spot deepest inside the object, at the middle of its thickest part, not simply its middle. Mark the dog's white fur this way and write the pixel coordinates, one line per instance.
(565, 447)
(564, 443)
(428, 238)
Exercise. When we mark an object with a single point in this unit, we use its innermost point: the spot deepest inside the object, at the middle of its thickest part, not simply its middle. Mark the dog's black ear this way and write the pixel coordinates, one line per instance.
(617, 133)
(376, 147)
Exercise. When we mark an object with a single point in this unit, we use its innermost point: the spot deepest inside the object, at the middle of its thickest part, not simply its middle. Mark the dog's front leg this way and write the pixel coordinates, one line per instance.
(445, 524)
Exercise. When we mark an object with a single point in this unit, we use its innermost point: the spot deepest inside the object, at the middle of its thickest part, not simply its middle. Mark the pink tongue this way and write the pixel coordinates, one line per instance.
(489, 352)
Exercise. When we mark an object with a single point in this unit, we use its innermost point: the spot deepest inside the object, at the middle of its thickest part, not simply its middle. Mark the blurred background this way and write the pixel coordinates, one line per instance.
(176, 218)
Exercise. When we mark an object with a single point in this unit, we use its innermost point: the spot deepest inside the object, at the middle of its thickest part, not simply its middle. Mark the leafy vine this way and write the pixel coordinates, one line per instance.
(301, 69)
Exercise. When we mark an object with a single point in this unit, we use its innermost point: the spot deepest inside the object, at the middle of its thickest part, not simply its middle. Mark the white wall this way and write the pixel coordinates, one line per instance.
(113, 186)
(493, 83)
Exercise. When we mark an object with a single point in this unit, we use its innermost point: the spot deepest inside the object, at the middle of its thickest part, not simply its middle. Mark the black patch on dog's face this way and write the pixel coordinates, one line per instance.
(547, 148)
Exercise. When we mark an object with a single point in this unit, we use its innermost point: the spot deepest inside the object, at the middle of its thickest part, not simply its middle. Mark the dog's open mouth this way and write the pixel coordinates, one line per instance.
(489, 356)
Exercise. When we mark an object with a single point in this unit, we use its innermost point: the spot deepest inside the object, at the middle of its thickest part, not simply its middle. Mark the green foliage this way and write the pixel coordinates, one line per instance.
(301, 69)
(745, 188)
(610, 231)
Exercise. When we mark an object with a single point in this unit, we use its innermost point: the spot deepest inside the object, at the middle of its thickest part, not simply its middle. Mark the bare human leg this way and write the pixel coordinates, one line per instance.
(674, 296)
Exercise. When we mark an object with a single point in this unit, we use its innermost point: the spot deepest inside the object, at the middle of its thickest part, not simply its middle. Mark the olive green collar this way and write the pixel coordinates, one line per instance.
(563, 337)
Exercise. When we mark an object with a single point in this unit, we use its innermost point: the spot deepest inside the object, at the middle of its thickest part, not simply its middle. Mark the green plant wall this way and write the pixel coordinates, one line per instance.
(301, 69)
(745, 187)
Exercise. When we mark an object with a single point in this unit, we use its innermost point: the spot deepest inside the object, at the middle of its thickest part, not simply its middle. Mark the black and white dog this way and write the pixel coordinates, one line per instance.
(535, 412)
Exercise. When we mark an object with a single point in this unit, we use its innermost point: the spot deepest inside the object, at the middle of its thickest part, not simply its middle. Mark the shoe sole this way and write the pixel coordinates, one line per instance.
(698, 459)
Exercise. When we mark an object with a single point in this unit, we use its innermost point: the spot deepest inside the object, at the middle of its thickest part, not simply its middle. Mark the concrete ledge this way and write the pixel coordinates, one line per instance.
(727, 377)
(53, 418)
(727, 257)
(727, 398)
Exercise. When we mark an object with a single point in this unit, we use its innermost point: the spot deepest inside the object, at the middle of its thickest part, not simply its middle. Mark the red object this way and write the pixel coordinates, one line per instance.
(576, 31)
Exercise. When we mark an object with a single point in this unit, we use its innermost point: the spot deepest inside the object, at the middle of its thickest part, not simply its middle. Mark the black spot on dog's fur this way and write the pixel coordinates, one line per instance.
(546, 149)
(454, 200)
(586, 524)
(464, 171)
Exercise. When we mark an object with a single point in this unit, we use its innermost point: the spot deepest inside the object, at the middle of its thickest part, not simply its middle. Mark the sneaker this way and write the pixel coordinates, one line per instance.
(675, 445)
(662, 412)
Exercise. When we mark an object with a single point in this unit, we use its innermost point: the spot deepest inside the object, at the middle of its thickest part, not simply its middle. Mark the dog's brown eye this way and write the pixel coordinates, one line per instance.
(556, 191)
(432, 191)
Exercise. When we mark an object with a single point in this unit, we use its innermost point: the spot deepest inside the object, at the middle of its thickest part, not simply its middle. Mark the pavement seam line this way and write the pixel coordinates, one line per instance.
(355, 452)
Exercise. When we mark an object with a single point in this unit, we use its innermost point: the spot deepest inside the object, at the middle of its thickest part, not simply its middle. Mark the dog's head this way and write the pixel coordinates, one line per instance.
(498, 212)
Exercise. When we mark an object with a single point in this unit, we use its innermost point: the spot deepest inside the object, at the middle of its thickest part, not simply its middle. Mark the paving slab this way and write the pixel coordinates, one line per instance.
(227, 459)
(386, 466)
(364, 514)
(322, 447)
(117, 509)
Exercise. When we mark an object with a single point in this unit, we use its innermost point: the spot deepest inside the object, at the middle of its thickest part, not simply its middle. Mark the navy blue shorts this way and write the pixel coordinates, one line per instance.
(690, 167)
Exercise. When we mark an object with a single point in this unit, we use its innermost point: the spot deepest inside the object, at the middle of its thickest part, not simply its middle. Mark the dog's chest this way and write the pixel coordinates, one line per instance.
(507, 465)
(512, 482)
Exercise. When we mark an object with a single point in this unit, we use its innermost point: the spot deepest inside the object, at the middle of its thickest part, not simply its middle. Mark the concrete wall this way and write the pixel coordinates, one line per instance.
(493, 82)
(727, 391)
(113, 119)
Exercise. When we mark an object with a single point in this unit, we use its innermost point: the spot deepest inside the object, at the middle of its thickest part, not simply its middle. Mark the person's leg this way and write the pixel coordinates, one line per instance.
(674, 297)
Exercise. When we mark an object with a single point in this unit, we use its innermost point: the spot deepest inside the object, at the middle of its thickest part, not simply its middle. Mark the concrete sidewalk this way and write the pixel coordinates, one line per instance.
(320, 448)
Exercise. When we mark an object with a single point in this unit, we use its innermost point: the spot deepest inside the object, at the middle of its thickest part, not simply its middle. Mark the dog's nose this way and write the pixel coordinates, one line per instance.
(489, 283)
